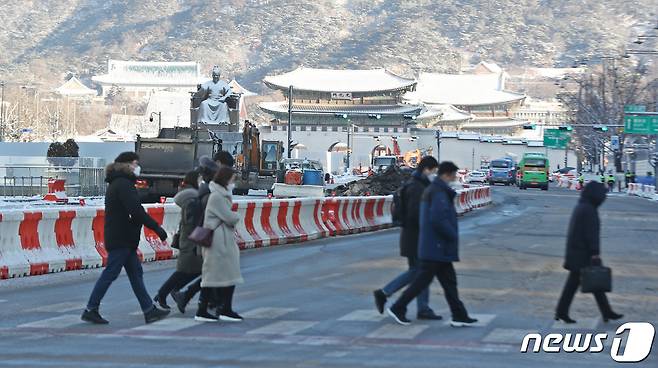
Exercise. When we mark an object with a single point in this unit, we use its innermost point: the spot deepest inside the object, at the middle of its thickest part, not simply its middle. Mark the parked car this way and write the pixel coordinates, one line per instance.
(476, 177)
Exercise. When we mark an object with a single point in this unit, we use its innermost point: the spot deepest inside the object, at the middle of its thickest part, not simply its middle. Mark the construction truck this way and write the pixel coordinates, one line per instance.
(257, 162)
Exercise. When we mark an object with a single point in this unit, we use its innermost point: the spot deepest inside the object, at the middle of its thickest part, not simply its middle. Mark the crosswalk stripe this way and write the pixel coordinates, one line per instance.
(507, 335)
(582, 324)
(283, 328)
(268, 313)
(64, 321)
(363, 315)
(168, 324)
(395, 331)
(59, 307)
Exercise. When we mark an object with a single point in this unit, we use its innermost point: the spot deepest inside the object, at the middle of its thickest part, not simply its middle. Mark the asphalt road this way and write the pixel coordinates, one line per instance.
(311, 305)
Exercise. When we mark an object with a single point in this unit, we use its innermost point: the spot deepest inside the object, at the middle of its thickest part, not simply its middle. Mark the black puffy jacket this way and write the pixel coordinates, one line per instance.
(124, 214)
(584, 228)
(413, 191)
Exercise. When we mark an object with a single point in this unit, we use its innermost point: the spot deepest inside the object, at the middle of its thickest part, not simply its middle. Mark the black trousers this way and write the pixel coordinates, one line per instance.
(569, 291)
(445, 273)
(177, 280)
(223, 295)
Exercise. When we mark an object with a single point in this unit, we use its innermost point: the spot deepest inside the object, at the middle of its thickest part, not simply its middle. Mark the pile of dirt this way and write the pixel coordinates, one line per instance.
(383, 183)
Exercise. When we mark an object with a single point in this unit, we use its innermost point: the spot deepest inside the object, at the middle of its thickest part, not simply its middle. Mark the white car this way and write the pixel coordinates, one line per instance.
(476, 177)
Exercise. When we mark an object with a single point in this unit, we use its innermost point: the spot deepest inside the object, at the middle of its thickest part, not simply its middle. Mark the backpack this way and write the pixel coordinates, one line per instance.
(399, 209)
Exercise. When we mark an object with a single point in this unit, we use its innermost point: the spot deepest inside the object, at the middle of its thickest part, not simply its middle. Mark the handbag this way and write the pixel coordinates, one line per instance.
(596, 279)
(201, 236)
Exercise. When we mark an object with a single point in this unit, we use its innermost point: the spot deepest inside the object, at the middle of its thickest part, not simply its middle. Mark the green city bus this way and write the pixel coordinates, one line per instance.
(533, 171)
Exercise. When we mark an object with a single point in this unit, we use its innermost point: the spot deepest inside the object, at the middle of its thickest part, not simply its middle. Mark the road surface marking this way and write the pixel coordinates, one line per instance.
(64, 321)
(169, 324)
(506, 336)
(268, 313)
(582, 324)
(363, 315)
(60, 307)
(329, 276)
(483, 319)
(283, 328)
(395, 331)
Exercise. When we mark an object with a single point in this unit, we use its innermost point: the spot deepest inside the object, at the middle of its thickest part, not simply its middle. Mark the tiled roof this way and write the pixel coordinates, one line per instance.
(335, 80)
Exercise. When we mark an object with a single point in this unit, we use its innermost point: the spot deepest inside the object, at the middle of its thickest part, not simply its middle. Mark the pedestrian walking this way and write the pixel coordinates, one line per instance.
(409, 211)
(221, 261)
(583, 249)
(124, 217)
(207, 168)
(188, 264)
(438, 248)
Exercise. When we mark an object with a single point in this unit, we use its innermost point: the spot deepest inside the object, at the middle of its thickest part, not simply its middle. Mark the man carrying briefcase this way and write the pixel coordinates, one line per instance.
(582, 257)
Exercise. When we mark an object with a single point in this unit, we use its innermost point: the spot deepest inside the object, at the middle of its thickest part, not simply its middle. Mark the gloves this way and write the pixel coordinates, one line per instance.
(162, 234)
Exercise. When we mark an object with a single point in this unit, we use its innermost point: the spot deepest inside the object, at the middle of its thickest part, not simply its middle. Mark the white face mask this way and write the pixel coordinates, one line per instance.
(431, 177)
(231, 187)
(137, 170)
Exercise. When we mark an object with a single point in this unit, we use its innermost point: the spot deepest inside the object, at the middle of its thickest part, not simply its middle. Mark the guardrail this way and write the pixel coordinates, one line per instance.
(40, 241)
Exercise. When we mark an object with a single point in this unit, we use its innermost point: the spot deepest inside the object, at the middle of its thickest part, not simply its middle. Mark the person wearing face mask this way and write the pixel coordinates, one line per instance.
(410, 196)
(124, 217)
(220, 271)
(438, 248)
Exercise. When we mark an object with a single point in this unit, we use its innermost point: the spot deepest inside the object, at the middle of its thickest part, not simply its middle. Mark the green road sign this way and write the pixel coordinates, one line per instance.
(641, 123)
(555, 138)
(635, 108)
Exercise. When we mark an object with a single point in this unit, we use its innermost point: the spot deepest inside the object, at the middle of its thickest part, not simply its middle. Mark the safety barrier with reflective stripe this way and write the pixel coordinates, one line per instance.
(36, 242)
(642, 190)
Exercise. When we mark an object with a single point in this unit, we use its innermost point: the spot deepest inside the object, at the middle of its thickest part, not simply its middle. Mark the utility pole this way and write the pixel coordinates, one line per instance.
(349, 146)
(2, 112)
(290, 91)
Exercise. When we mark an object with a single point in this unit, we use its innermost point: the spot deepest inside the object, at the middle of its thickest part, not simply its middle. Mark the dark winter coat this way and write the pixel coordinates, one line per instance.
(124, 214)
(584, 228)
(189, 261)
(411, 195)
(439, 232)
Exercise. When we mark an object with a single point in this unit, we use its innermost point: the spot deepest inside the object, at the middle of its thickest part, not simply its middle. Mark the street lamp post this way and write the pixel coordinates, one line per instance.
(349, 145)
(290, 91)
(159, 113)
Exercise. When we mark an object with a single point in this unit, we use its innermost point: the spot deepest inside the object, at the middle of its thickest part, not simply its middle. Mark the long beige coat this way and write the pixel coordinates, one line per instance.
(221, 262)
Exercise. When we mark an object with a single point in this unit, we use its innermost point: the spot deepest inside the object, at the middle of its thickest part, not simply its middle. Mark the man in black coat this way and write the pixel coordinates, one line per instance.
(124, 217)
(411, 193)
(583, 250)
(438, 248)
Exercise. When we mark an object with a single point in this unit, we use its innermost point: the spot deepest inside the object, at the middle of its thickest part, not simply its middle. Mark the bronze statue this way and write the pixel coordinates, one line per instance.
(213, 108)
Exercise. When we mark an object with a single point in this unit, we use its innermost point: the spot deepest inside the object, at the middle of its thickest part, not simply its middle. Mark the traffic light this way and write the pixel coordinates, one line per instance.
(374, 116)
(567, 128)
(601, 128)
(529, 126)
(341, 116)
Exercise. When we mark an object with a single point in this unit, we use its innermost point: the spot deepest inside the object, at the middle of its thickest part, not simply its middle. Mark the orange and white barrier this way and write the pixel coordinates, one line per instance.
(34, 242)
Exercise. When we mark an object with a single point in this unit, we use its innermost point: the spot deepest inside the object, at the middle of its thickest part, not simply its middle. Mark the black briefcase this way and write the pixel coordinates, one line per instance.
(595, 279)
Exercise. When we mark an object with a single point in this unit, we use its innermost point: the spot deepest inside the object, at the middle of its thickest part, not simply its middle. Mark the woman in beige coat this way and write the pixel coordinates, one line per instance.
(221, 261)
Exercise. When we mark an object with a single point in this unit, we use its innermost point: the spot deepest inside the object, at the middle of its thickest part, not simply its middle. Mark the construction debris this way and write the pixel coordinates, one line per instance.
(383, 183)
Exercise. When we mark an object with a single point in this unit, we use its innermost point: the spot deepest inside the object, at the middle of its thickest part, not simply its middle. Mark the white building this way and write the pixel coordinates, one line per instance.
(478, 101)
(140, 79)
